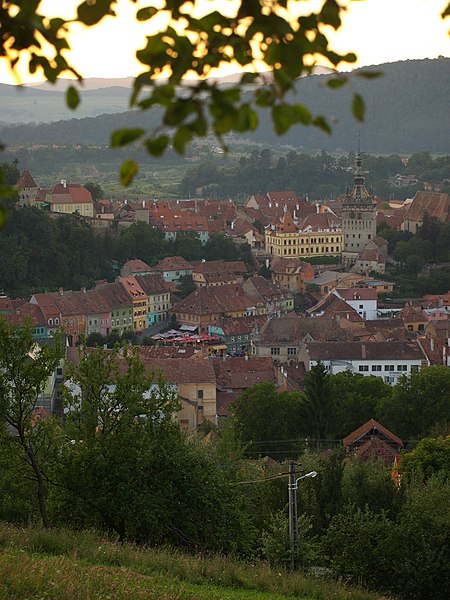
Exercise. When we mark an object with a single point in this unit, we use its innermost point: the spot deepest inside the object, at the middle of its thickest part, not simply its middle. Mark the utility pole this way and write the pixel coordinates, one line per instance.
(293, 526)
(293, 523)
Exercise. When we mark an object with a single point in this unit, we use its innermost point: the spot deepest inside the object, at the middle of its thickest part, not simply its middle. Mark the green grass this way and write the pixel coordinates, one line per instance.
(68, 565)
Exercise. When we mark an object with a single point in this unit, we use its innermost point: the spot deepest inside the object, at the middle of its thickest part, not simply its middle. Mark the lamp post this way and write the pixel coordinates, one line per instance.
(293, 525)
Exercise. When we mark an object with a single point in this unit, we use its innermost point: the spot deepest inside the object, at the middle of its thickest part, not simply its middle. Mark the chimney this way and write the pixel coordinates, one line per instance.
(317, 208)
(64, 182)
(285, 208)
(61, 291)
(363, 351)
(270, 204)
(143, 203)
(126, 201)
(432, 344)
(83, 289)
(232, 225)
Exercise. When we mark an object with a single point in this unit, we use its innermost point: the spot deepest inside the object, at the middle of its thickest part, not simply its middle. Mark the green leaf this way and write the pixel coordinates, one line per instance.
(322, 124)
(337, 82)
(248, 78)
(358, 107)
(156, 146)
(128, 170)
(369, 74)
(2, 216)
(301, 114)
(91, 13)
(72, 97)
(122, 137)
(144, 14)
(181, 138)
(282, 118)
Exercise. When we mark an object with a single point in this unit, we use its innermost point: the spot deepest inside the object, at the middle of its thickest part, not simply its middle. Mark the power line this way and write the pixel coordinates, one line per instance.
(250, 481)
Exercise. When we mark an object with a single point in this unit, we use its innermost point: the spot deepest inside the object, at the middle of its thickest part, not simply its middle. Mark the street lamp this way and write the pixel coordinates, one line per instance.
(293, 524)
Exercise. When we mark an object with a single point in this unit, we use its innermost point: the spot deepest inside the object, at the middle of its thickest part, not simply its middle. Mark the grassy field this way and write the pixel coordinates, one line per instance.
(64, 565)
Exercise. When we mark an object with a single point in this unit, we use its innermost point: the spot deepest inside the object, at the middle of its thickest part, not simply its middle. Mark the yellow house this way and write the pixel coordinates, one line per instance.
(318, 235)
(68, 198)
(139, 299)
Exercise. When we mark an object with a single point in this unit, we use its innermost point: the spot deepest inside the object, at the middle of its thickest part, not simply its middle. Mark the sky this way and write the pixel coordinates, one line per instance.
(379, 31)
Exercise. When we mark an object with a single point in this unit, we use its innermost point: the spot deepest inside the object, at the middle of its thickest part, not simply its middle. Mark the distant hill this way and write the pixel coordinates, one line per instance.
(407, 111)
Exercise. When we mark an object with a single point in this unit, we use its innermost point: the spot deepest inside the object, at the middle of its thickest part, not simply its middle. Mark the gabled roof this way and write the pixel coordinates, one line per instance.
(115, 295)
(70, 193)
(215, 300)
(154, 283)
(436, 204)
(26, 180)
(242, 372)
(136, 266)
(223, 266)
(367, 428)
(356, 293)
(132, 287)
(324, 221)
(172, 263)
(348, 351)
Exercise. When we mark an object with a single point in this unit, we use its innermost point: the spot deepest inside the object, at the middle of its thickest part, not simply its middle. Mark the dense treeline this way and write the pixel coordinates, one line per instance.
(316, 176)
(39, 252)
(401, 115)
(200, 493)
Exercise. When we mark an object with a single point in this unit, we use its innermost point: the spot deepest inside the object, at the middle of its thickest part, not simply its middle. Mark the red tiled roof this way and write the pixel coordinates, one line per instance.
(137, 266)
(436, 204)
(357, 293)
(71, 193)
(320, 222)
(395, 350)
(365, 428)
(26, 180)
(172, 263)
(215, 300)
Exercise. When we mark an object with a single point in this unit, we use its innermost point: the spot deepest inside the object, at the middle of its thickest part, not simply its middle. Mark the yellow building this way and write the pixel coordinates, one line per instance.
(319, 235)
(139, 299)
(68, 198)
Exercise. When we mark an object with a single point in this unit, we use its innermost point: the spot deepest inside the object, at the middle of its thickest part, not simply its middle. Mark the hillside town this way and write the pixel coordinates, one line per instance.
(243, 324)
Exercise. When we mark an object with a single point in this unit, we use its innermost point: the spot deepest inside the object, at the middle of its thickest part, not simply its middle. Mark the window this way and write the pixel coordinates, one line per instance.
(402, 368)
(389, 379)
(389, 368)
(363, 368)
(200, 394)
(275, 351)
(292, 351)
(414, 368)
(376, 367)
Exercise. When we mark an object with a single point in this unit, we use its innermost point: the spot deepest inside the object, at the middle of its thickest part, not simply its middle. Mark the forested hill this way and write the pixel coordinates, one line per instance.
(407, 111)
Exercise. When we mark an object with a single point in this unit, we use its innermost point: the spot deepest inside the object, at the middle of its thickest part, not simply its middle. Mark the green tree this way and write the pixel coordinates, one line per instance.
(25, 370)
(131, 470)
(318, 405)
(185, 287)
(430, 457)
(417, 403)
(95, 189)
(262, 416)
(355, 398)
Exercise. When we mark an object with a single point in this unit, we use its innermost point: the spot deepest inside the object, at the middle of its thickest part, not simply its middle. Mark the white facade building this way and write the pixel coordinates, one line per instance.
(363, 300)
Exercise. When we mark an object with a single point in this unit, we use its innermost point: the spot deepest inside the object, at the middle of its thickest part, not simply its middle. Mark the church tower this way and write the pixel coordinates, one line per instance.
(359, 216)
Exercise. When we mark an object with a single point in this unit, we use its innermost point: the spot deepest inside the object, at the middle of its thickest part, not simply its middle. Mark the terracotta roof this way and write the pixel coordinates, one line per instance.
(137, 266)
(214, 266)
(371, 255)
(292, 329)
(28, 311)
(180, 221)
(26, 180)
(154, 283)
(172, 263)
(47, 305)
(148, 353)
(6, 303)
(71, 193)
(263, 289)
(195, 370)
(280, 264)
(215, 300)
(395, 350)
(321, 222)
(366, 428)
(242, 372)
(115, 295)
(241, 325)
(436, 204)
(132, 287)
(357, 293)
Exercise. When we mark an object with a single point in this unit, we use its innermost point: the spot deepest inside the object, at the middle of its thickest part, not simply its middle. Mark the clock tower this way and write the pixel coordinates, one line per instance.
(359, 216)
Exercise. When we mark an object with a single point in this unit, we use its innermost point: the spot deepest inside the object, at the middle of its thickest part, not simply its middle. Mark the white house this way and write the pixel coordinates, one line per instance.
(363, 300)
(389, 360)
